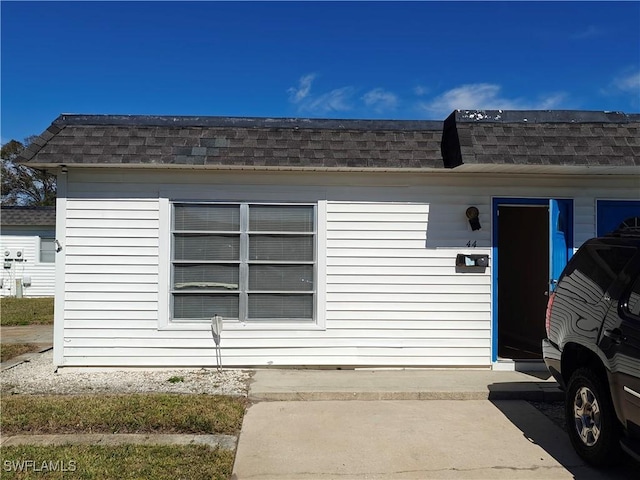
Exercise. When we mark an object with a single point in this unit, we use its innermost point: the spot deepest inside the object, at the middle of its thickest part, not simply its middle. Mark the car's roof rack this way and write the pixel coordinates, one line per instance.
(628, 228)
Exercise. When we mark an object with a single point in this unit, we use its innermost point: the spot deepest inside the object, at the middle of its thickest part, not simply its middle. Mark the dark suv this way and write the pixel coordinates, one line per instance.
(593, 345)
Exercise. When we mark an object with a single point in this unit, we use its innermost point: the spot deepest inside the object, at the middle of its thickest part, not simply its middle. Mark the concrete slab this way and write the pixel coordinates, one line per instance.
(437, 439)
(25, 357)
(40, 334)
(224, 441)
(408, 384)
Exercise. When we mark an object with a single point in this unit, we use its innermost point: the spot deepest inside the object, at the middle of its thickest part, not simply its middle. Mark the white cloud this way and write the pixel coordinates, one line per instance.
(296, 95)
(380, 100)
(337, 100)
(419, 90)
(588, 32)
(485, 96)
(629, 83)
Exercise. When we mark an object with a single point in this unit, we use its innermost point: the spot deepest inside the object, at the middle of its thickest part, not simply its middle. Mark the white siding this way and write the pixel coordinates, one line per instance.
(42, 274)
(386, 285)
(111, 271)
(393, 296)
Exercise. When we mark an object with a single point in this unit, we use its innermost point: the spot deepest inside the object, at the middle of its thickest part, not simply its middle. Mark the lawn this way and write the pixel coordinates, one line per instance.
(26, 311)
(19, 312)
(11, 350)
(155, 413)
(166, 462)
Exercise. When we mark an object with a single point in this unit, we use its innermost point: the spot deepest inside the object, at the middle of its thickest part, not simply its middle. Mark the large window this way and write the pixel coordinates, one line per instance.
(251, 262)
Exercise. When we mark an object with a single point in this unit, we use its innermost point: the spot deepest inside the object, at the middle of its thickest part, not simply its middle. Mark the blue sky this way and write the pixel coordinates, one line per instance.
(396, 60)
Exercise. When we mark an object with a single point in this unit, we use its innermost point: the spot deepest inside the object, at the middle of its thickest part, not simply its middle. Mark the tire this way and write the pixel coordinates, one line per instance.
(591, 420)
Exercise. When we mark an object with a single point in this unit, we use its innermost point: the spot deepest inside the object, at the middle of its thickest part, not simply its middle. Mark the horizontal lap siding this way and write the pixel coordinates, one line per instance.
(393, 296)
(111, 275)
(42, 275)
(385, 276)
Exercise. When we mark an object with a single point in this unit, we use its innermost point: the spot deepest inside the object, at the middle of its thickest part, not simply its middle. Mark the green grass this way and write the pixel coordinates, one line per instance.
(118, 462)
(26, 311)
(11, 350)
(157, 413)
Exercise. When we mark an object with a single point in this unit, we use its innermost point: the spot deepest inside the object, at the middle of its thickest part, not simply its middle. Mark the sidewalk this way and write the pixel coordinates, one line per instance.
(396, 424)
(408, 384)
(40, 334)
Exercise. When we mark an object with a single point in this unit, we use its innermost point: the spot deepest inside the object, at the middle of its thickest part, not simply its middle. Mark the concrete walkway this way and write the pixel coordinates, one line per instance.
(40, 334)
(224, 441)
(410, 384)
(409, 439)
(398, 424)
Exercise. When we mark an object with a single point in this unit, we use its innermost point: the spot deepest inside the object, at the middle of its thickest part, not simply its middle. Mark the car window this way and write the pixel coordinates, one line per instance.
(601, 263)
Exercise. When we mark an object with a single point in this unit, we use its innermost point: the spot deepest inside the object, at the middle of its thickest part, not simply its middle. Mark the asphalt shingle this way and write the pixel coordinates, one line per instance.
(12, 216)
(543, 137)
(218, 141)
(492, 137)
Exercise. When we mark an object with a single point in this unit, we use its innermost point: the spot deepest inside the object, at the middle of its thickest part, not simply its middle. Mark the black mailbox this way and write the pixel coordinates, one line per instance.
(467, 263)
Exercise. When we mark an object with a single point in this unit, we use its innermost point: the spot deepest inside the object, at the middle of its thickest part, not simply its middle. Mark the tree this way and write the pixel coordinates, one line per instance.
(22, 185)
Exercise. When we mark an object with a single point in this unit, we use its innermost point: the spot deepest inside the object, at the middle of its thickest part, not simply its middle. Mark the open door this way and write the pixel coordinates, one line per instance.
(560, 238)
(533, 241)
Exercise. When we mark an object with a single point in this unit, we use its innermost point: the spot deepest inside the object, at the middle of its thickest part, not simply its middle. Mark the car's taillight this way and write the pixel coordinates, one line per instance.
(547, 319)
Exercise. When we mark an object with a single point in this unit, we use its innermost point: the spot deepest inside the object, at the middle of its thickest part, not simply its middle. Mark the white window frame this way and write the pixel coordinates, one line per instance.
(40, 239)
(165, 320)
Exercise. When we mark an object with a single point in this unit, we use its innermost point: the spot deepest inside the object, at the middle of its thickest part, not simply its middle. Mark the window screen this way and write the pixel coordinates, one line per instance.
(47, 250)
(251, 262)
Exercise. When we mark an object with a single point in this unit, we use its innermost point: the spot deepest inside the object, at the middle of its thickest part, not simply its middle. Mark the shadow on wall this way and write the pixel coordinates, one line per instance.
(450, 226)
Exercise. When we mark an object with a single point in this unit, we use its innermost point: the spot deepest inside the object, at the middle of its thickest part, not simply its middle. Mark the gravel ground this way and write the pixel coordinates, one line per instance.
(554, 411)
(37, 377)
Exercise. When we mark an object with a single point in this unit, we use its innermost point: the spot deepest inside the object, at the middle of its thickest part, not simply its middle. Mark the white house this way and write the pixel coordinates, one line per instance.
(325, 242)
(27, 236)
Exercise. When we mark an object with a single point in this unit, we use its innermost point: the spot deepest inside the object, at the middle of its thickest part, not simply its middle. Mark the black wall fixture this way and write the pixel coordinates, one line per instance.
(473, 215)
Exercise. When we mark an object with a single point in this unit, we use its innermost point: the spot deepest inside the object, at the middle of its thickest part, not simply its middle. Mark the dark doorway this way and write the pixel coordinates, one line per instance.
(523, 279)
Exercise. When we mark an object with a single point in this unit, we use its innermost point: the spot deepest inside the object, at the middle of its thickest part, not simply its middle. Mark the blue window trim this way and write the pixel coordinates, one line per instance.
(605, 225)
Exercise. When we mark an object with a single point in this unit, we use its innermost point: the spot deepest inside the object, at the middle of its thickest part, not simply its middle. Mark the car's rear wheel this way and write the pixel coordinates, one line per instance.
(592, 424)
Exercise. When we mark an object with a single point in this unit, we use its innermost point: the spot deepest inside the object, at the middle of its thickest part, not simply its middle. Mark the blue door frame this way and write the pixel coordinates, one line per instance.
(560, 231)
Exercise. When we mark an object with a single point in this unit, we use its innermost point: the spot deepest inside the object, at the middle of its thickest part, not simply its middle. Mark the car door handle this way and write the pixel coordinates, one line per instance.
(615, 335)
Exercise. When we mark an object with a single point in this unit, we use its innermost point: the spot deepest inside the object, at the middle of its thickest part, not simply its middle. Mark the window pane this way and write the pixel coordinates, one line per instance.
(281, 218)
(281, 277)
(281, 247)
(219, 218)
(212, 276)
(197, 246)
(47, 250)
(281, 306)
(205, 306)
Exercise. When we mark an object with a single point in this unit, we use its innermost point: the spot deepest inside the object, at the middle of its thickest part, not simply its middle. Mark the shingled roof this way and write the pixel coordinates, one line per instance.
(32, 216)
(555, 138)
(216, 142)
(469, 140)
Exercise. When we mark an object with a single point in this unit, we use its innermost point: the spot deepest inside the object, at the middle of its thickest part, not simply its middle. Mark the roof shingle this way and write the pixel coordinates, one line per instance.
(12, 216)
(475, 137)
(213, 141)
(548, 137)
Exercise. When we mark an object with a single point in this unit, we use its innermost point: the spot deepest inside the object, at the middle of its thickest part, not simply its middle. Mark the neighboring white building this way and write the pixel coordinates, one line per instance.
(27, 236)
(325, 242)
